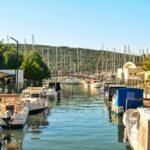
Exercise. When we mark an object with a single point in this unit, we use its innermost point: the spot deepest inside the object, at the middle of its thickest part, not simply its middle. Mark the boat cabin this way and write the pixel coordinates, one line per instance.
(112, 90)
(33, 93)
(119, 99)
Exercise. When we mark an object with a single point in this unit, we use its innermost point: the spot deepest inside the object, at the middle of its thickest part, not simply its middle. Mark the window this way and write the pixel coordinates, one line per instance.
(35, 95)
(26, 95)
(130, 94)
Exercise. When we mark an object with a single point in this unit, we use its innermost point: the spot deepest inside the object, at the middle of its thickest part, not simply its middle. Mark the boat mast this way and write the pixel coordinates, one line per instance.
(47, 58)
(78, 59)
(25, 48)
(56, 62)
(61, 55)
(32, 42)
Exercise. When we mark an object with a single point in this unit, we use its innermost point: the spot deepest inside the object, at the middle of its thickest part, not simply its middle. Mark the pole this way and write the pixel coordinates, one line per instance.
(16, 64)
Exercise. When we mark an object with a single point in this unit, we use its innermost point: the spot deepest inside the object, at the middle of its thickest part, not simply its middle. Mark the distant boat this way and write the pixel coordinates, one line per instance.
(18, 112)
(95, 83)
(119, 99)
(35, 99)
(72, 81)
(52, 88)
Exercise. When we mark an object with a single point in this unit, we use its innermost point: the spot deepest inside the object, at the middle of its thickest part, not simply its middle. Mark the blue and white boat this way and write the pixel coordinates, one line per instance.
(119, 99)
(112, 90)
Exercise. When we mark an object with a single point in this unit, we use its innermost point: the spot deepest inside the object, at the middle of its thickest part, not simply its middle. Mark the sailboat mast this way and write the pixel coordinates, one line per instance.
(78, 59)
(56, 62)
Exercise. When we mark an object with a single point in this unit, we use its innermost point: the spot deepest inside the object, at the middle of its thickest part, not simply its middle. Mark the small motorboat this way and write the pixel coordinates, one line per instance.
(112, 90)
(137, 128)
(35, 99)
(119, 99)
(18, 113)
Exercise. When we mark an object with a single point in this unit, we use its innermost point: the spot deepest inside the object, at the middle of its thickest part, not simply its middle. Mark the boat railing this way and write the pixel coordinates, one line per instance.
(145, 101)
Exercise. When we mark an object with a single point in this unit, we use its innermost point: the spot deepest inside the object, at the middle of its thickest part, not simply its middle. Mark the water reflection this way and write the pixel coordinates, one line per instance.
(69, 90)
(38, 120)
(117, 120)
(13, 139)
(80, 120)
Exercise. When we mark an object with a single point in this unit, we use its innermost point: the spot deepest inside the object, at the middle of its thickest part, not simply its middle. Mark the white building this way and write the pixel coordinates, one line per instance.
(129, 72)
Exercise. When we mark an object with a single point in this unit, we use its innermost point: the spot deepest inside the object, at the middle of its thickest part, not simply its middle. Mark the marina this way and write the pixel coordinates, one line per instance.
(79, 119)
(75, 75)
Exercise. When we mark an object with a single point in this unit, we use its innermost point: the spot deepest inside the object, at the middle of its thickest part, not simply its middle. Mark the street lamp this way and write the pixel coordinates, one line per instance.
(16, 64)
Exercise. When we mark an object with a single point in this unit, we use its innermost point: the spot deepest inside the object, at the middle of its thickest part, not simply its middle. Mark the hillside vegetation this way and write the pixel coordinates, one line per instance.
(67, 59)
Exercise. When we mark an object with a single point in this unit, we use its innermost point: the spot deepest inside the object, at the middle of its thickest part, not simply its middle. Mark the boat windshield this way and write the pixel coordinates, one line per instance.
(35, 95)
(26, 95)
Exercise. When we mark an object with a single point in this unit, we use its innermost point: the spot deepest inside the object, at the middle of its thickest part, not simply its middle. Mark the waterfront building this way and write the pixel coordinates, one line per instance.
(129, 72)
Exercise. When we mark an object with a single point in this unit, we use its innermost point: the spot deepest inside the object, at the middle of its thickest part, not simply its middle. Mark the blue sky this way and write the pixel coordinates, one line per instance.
(78, 23)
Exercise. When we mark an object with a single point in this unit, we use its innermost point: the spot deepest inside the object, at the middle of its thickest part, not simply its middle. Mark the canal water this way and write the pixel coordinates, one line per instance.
(78, 120)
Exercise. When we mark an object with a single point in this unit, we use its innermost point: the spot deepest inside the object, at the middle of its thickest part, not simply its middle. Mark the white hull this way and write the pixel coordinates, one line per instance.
(51, 94)
(137, 123)
(35, 106)
(34, 98)
(18, 119)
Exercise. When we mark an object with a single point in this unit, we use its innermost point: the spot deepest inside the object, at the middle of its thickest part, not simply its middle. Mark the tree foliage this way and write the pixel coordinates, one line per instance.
(146, 66)
(8, 57)
(34, 68)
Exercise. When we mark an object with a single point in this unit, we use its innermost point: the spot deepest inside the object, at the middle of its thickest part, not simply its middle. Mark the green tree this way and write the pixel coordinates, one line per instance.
(146, 66)
(8, 57)
(34, 68)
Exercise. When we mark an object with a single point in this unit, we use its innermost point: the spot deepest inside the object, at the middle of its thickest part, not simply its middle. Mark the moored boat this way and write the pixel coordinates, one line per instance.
(112, 90)
(13, 113)
(52, 89)
(35, 99)
(119, 99)
(137, 128)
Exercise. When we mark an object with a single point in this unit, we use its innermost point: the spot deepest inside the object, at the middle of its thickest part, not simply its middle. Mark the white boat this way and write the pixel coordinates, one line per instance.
(95, 83)
(18, 112)
(137, 131)
(51, 93)
(72, 81)
(52, 89)
(35, 99)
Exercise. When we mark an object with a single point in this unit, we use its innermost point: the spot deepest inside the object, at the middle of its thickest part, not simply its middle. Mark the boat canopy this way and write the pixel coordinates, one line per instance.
(124, 93)
(112, 90)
